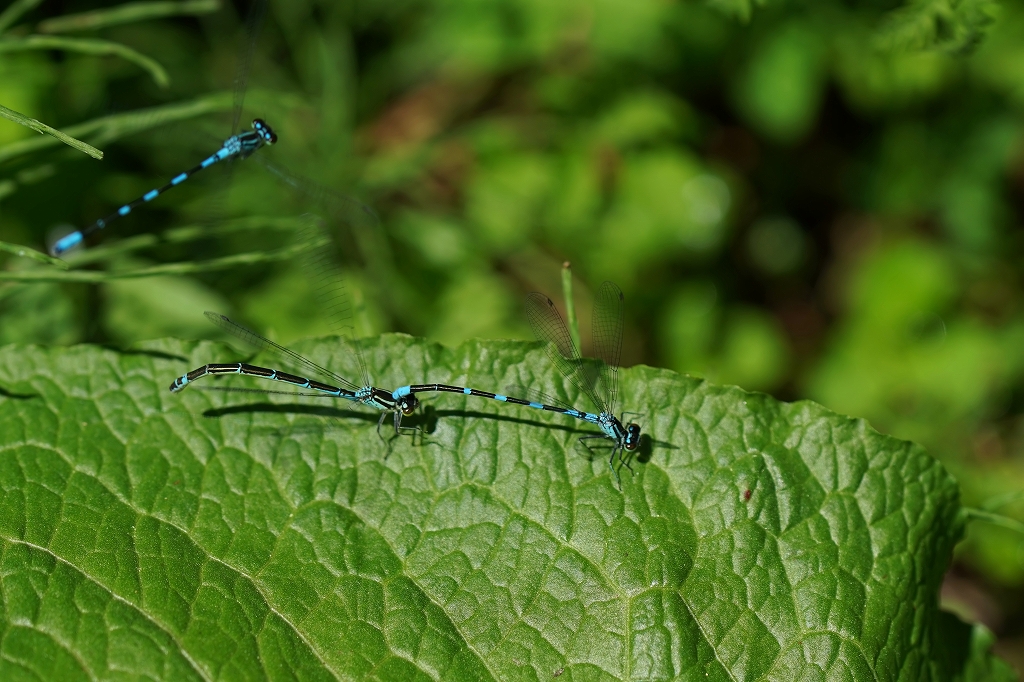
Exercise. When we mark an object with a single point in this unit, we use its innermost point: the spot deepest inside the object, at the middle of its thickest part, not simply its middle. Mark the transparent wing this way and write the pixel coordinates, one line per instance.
(354, 221)
(330, 288)
(549, 327)
(257, 341)
(607, 330)
(340, 206)
(253, 23)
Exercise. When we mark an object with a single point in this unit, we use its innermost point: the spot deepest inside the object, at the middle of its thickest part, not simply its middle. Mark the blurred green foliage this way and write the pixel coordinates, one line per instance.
(815, 199)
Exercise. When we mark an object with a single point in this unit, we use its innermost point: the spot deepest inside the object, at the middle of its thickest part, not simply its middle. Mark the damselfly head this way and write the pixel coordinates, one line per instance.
(408, 404)
(264, 131)
(632, 441)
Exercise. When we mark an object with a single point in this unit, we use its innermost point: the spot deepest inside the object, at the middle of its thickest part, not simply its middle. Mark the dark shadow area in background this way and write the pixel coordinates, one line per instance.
(952, 639)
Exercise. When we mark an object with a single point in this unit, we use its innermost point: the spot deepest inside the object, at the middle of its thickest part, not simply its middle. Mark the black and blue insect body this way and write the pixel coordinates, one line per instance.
(238, 146)
(600, 386)
(367, 394)
(331, 293)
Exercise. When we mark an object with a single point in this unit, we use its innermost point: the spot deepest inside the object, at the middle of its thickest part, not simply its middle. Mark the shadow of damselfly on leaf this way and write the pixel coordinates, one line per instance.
(315, 379)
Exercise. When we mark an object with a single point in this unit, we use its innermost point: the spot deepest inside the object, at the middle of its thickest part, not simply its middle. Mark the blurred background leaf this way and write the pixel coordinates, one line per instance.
(818, 200)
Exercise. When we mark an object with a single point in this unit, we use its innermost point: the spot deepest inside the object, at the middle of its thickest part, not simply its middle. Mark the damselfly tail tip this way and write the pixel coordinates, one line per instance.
(62, 239)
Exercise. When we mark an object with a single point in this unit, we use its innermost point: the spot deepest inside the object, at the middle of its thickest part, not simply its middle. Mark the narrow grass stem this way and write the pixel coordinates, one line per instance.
(187, 268)
(41, 127)
(570, 305)
(994, 519)
(128, 13)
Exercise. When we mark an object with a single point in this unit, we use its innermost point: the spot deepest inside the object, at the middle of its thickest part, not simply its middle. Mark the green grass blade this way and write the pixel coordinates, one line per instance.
(116, 126)
(570, 304)
(1000, 520)
(25, 252)
(127, 13)
(997, 501)
(179, 235)
(41, 127)
(89, 46)
(14, 12)
(187, 268)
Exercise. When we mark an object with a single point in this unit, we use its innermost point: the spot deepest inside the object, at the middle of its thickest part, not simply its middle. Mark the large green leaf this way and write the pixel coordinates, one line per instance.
(215, 534)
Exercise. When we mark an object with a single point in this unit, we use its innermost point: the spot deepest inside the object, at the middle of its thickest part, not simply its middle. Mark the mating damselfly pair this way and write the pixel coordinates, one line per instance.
(599, 384)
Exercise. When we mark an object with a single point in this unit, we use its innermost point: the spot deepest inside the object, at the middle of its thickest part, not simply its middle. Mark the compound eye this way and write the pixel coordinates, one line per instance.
(632, 437)
(264, 131)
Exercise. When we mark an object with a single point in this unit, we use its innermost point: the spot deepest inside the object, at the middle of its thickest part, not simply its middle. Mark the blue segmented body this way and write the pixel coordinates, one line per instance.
(367, 395)
(239, 146)
(370, 396)
(262, 372)
(601, 387)
(626, 437)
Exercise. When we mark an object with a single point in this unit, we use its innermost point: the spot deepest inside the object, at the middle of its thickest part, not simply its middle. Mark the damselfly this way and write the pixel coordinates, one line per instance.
(600, 384)
(239, 146)
(331, 293)
(368, 395)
